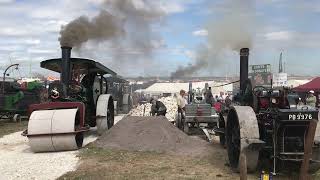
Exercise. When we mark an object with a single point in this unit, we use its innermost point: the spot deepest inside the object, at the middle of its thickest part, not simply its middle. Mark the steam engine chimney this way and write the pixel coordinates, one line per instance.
(65, 68)
(244, 67)
(190, 93)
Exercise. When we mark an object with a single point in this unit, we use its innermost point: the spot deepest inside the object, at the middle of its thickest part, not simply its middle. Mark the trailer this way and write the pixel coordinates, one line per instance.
(199, 115)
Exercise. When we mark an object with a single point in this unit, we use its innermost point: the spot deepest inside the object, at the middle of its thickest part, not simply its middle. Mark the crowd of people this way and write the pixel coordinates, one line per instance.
(217, 102)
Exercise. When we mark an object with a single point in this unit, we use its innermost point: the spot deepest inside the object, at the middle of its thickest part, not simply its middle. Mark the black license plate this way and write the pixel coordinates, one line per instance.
(301, 116)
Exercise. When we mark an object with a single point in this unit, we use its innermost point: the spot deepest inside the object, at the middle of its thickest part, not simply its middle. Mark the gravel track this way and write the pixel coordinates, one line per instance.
(17, 161)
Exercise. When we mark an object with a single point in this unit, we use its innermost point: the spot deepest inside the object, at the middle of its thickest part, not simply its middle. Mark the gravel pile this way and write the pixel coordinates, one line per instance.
(152, 134)
(169, 102)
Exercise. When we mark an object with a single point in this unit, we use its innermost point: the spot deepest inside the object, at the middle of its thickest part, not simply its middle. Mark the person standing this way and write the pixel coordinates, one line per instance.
(218, 106)
(311, 99)
(181, 109)
(181, 101)
(227, 101)
(209, 96)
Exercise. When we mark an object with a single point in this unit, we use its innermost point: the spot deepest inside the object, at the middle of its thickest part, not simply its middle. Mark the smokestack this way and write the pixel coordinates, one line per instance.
(190, 93)
(65, 68)
(244, 67)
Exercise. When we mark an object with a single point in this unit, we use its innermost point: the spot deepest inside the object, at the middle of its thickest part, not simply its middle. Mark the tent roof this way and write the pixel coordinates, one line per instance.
(314, 85)
(176, 87)
(293, 83)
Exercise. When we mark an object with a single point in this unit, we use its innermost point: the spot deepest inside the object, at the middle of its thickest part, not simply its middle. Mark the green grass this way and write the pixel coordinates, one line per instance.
(8, 127)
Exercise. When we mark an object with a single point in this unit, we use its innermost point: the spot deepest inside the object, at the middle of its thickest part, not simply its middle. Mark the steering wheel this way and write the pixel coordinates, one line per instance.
(258, 89)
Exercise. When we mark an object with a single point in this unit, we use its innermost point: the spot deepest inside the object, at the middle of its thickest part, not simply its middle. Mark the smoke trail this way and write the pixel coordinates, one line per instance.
(200, 62)
(125, 23)
(102, 27)
(236, 28)
(233, 31)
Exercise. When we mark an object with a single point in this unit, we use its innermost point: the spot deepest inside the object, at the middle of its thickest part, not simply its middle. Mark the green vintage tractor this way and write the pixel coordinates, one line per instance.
(15, 99)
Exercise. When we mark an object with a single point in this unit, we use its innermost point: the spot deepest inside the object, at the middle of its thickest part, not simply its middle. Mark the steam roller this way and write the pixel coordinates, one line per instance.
(77, 102)
(268, 127)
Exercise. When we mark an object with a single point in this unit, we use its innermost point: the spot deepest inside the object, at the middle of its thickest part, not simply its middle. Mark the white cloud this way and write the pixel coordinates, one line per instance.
(170, 7)
(190, 54)
(201, 32)
(11, 48)
(279, 35)
(32, 41)
(6, 1)
(177, 6)
(40, 51)
(10, 31)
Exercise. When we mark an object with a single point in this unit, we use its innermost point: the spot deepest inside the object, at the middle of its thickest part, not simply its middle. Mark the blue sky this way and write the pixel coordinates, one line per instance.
(30, 29)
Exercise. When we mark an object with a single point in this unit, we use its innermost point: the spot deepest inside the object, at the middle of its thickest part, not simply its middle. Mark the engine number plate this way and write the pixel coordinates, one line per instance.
(300, 116)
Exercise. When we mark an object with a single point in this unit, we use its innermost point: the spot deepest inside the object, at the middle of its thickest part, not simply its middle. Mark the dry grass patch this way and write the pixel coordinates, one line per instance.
(8, 127)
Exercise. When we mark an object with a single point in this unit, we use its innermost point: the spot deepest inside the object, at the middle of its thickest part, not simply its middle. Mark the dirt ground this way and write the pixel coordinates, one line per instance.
(7, 126)
(111, 163)
(98, 163)
(152, 148)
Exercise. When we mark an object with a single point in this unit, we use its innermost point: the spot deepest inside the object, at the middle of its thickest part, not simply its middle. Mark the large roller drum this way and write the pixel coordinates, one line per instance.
(104, 113)
(126, 103)
(54, 130)
(242, 136)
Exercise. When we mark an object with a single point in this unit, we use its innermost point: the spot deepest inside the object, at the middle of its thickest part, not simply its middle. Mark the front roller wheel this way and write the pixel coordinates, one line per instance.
(235, 146)
(104, 113)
